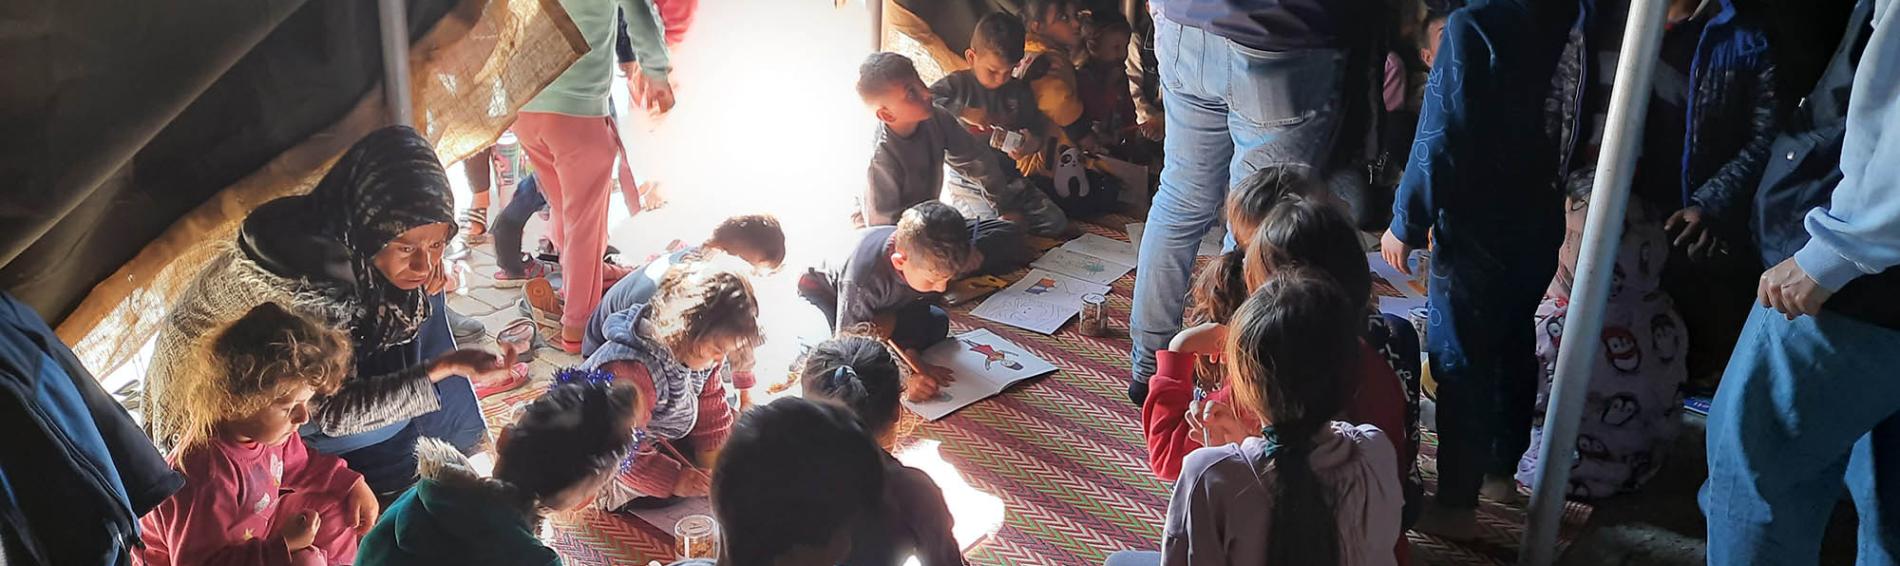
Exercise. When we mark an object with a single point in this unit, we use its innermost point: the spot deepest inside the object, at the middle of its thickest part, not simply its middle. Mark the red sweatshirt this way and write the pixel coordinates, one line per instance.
(1378, 400)
(231, 509)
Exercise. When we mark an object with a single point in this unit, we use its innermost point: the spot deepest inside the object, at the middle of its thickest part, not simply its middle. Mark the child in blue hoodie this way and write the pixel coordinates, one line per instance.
(556, 456)
(1480, 190)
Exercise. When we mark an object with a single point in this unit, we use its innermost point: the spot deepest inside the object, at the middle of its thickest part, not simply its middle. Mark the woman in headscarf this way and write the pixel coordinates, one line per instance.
(363, 251)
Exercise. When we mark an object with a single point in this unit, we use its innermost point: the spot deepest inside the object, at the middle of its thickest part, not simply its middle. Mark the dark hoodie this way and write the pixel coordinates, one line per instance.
(455, 516)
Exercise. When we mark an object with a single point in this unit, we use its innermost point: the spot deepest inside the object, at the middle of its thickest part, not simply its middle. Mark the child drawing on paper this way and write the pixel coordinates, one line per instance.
(992, 356)
(1041, 286)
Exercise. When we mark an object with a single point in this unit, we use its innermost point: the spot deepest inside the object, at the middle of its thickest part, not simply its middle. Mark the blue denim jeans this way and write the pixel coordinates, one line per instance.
(1134, 558)
(1804, 405)
(1230, 111)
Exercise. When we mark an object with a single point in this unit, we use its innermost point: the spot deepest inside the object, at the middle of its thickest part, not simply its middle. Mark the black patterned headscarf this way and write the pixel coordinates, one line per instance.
(388, 183)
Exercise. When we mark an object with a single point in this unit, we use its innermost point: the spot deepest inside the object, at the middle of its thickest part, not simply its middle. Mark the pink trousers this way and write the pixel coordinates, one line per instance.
(574, 158)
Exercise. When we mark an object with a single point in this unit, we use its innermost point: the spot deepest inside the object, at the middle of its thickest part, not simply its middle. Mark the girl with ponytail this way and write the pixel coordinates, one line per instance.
(864, 376)
(1322, 492)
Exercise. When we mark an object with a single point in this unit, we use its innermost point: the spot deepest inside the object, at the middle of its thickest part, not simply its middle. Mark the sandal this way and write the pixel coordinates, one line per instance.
(543, 301)
(530, 269)
(475, 226)
(517, 376)
(520, 334)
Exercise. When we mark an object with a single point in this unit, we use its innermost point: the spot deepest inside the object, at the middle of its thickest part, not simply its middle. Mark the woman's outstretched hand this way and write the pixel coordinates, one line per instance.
(479, 366)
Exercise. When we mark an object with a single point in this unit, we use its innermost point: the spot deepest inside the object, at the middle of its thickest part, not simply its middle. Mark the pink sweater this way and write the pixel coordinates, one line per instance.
(232, 508)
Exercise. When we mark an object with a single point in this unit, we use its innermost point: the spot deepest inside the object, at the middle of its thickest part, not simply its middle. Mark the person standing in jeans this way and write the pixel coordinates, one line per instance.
(1809, 400)
(1246, 83)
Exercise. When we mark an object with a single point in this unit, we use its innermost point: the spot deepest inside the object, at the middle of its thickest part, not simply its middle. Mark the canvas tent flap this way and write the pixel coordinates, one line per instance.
(118, 193)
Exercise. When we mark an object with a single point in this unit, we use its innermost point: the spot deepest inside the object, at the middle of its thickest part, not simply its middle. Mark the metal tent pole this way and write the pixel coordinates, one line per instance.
(1602, 233)
(393, 16)
(876, 8)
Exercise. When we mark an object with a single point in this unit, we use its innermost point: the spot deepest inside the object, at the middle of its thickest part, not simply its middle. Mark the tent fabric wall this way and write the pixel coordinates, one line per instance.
(113, 256)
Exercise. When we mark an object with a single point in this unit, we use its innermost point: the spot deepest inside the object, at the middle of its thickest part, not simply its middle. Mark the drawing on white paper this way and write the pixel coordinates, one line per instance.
(1041, 301)
(993, 356)
(1405, 286)
(1024, 312)
(1082, 266)
(1103, 247)
(985, 365)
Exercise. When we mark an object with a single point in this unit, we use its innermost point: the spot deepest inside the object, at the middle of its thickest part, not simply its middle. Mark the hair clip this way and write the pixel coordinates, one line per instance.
(578, 375)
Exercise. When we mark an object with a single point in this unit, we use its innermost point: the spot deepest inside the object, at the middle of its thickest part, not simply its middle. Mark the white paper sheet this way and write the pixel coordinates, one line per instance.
(983, 364)
(1412, 287)
(1082, 266)
(1041, 301)
(1103, 247)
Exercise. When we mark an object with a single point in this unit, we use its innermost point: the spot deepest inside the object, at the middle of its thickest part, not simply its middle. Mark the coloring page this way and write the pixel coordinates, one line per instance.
(1082, 266)
(983, 363)
(1026, 312)
(1042, 301)
(1103, 247)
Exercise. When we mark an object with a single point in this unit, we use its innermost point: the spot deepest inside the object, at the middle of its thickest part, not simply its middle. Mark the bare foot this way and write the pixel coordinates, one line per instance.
(1501, 490)
(1453, 523)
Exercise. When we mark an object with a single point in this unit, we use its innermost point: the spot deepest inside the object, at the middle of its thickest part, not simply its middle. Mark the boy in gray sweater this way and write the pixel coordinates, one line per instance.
(917, 139)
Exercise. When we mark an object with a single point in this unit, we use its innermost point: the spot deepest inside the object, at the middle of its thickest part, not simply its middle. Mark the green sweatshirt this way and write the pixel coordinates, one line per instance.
(583, 89)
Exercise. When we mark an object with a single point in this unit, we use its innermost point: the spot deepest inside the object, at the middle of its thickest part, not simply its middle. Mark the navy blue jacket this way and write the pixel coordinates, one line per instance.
(1483, 164)
(75, 471)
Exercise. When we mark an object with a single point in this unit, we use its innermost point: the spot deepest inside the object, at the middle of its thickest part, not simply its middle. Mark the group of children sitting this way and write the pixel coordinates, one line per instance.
(1291, 380)
(1017, 130)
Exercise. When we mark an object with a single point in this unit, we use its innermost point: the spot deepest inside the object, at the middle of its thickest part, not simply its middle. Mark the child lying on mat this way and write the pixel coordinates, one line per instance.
(862, 374)
(558, 453)
(796, 482)
(671, 349)
(755, 238)
(253, 493)
(888, 282)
